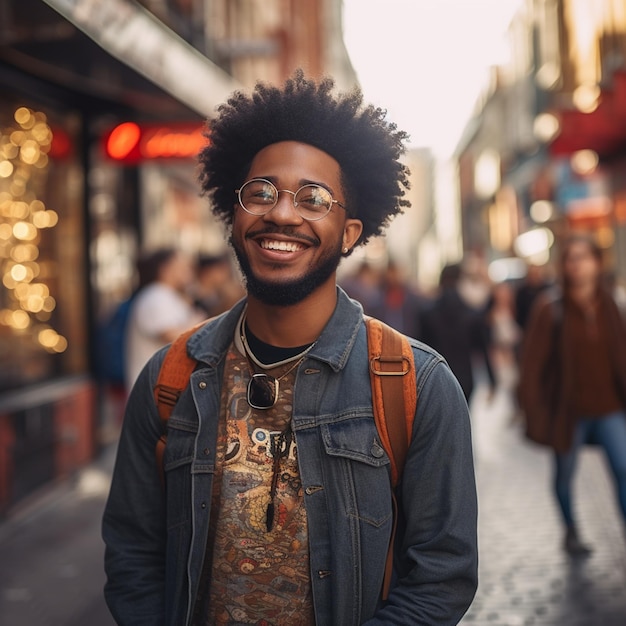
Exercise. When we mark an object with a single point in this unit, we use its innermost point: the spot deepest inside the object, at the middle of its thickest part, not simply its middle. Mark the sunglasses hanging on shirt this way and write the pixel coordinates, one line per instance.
(263, 388)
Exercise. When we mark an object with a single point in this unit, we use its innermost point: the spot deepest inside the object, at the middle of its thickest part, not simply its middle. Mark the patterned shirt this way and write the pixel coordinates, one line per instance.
(257, 576)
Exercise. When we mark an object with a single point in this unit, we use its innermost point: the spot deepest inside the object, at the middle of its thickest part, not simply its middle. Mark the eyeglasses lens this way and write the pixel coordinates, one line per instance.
(312, 201)
(262, 391)
(258, 196)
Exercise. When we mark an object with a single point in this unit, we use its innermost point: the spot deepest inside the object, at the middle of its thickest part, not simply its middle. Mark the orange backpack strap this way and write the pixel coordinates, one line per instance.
(394, 398)
(394, 393)
(173, 378)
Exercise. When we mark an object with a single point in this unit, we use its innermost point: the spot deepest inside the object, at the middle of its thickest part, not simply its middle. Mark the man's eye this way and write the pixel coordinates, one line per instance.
(261, 196)
(313, 199)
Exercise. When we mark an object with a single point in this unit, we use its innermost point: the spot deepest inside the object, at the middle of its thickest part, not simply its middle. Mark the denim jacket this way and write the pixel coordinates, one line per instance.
(156, 538)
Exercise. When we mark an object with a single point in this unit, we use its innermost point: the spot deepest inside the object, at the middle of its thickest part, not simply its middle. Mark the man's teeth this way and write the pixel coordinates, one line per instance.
(283, 246)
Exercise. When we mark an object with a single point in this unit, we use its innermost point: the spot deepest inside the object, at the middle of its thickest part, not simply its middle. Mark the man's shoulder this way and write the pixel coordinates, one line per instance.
(425, 356)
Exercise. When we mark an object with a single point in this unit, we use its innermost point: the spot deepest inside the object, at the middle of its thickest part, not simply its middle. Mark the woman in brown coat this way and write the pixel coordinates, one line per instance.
(573, 376)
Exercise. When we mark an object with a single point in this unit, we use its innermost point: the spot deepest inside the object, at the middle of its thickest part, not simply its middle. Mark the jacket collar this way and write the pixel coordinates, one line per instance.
(210, 343)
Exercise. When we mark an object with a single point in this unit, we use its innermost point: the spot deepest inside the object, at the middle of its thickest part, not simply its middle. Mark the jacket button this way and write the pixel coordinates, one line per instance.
(202, 385)
(203, 505)
(377, 451)
(206, 451)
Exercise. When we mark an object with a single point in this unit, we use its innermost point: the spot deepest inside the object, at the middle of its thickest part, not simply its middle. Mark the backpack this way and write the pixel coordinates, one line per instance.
(394, 398)
(110, 345)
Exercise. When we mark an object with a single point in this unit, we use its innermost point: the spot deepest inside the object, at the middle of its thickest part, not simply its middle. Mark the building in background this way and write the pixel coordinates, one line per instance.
(415, 239)
(102, 111)
(411, 241)
(544, 154)
(268, 40)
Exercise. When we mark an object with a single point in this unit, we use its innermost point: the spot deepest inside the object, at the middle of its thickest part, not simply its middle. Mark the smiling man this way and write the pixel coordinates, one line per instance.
(277, 504)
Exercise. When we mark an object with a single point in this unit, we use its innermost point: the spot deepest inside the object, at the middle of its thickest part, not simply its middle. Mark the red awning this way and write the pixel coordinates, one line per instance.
(603, 130)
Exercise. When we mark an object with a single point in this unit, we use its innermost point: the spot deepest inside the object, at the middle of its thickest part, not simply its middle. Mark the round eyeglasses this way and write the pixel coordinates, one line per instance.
(312, 202)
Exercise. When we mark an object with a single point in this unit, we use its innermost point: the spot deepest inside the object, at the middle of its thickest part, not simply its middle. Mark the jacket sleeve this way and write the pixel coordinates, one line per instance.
(436, 558)
(133, 526)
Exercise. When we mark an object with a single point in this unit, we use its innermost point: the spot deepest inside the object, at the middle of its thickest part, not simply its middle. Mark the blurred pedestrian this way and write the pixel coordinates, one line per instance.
(504, 332)
(364, 286)
(399, 305)
(533, 284)
(573, 377)
(217, 288)
(277, 504)
(474, 284)
(458, 331)
(161, 309)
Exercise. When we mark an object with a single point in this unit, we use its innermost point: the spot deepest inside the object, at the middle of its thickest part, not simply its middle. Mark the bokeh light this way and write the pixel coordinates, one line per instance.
(23, 159)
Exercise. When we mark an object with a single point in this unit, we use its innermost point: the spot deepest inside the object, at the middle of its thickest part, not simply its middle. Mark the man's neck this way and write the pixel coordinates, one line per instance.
(294, 325)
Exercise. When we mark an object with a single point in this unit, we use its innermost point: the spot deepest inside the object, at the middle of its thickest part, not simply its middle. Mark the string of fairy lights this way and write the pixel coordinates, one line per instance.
(28, 305)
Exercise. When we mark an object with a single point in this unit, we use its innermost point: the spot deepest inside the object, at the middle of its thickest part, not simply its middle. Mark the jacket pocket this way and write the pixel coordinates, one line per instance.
(360, 467)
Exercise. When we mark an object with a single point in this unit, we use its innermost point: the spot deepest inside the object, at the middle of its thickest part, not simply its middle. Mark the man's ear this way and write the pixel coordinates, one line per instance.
(351, 232)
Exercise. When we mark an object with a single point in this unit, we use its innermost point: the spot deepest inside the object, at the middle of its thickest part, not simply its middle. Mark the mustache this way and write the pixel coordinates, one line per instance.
(287, 232)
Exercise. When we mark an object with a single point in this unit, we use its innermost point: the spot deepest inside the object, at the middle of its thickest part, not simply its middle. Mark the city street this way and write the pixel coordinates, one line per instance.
(51, 551)
(525, 577)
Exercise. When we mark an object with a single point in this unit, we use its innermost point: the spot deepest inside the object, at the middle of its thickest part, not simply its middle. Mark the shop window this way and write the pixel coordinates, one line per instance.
(42, 261)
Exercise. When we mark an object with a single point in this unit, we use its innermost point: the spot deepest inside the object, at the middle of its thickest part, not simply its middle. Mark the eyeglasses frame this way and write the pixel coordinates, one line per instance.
(293, 194)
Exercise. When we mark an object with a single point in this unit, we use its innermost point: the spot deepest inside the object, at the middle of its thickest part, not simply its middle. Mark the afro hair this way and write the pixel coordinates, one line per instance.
(365, 145)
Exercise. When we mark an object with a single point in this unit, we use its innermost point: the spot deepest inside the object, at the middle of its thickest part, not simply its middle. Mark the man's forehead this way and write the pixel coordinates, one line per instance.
(295, 155)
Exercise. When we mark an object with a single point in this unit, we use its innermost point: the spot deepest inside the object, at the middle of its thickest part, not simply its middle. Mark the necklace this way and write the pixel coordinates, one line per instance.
(250, 353)
(263, 388)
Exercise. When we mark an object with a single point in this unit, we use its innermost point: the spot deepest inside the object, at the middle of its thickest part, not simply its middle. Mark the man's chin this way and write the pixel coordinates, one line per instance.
(280, 293)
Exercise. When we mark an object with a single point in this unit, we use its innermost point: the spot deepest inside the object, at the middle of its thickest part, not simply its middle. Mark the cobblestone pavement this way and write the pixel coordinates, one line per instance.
(525, 577)
(51, 552)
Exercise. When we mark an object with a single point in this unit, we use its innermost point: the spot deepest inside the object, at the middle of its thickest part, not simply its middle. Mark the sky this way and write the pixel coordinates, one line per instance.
(426, 61)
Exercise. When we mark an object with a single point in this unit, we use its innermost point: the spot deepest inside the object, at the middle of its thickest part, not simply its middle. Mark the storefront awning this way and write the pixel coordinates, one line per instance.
(135, 37)
(602, 130)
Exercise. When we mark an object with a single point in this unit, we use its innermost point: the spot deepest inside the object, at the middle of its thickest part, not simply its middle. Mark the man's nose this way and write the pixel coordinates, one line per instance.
(284, 211)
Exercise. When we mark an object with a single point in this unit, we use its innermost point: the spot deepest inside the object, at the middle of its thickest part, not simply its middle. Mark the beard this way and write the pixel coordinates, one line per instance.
(289, 292)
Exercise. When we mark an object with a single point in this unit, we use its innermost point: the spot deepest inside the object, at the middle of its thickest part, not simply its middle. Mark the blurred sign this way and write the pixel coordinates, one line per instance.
(131, 143)
(581, 194)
